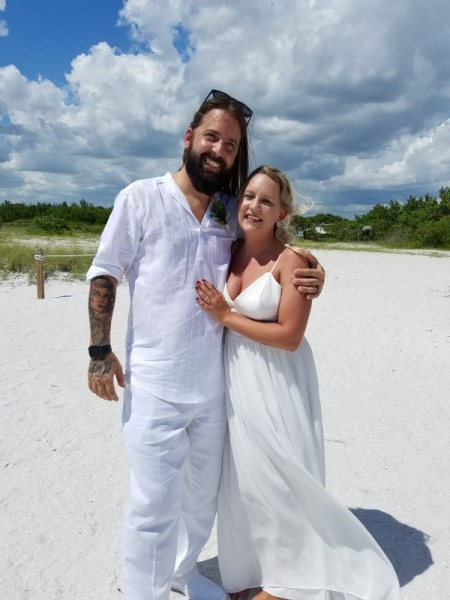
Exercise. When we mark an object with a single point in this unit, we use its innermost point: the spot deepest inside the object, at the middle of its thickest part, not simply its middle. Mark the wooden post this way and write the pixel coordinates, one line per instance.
(40, 274)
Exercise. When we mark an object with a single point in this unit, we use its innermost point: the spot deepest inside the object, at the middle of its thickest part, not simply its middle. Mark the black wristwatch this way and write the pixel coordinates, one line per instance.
(99, 352)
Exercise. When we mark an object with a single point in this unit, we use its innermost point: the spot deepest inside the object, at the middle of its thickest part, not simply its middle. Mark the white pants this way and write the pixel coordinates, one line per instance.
(175, 454)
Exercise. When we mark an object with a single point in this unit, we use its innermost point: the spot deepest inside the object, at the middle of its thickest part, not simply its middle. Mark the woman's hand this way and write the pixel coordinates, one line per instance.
(211, 300)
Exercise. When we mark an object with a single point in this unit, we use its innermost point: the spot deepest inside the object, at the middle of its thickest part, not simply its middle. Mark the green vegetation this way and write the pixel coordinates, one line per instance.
(55, 218)
(63, 229)
(422, 222)
(55, 229)
(17, 258)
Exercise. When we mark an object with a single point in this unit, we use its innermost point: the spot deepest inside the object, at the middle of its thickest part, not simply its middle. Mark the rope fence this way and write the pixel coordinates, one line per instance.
(39, 261)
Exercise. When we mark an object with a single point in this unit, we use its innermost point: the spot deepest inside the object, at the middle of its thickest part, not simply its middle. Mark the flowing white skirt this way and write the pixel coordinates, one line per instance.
(278, 527)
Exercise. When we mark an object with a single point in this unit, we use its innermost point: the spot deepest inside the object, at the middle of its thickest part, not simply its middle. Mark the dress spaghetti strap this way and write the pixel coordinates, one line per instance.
(276, 262)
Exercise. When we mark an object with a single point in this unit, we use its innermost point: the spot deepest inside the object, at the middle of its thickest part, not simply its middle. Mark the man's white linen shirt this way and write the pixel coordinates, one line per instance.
(173, 348)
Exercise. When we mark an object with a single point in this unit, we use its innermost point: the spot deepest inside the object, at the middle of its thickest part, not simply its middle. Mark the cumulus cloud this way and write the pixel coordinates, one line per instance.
(350, 99)
(4, 31)
(3, 24)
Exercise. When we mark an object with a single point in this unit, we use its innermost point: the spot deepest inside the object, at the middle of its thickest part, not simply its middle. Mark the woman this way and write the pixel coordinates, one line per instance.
(280, 534)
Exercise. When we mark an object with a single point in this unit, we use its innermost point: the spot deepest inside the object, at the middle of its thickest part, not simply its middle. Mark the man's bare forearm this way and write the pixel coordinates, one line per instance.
(102, 296)
(105, 367)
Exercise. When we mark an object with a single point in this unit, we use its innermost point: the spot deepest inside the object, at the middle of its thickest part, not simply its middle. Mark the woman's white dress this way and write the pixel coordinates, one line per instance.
(278, 527)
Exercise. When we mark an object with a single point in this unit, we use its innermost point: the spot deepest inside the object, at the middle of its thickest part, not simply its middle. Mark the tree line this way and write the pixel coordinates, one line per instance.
(418, 222)
(55, 218)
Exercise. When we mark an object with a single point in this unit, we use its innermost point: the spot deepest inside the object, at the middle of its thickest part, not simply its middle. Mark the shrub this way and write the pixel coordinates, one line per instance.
(435, 234)
(401, 236)
(50, 224)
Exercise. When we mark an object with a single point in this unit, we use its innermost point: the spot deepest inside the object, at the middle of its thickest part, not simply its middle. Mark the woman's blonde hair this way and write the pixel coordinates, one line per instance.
(282, 230)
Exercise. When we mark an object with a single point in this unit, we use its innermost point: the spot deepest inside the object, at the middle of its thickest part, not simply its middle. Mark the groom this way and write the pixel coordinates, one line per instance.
(164, 234)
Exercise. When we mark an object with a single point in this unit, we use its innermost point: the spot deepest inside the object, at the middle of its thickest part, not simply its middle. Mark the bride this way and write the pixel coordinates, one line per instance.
(280, 533)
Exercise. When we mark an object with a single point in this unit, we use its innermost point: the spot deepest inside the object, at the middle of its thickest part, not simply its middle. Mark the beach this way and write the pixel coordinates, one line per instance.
(380, 333)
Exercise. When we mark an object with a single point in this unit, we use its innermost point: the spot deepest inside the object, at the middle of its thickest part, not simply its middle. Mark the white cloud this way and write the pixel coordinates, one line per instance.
(3, 24)
(410, 161)
(350, 98)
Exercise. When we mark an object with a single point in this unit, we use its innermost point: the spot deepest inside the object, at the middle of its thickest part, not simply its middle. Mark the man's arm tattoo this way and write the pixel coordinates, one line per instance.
(101, 305)
(100, 367)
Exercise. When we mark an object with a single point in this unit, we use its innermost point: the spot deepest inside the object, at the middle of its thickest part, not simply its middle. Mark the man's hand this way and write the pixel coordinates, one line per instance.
(309, 281)
(101, 375)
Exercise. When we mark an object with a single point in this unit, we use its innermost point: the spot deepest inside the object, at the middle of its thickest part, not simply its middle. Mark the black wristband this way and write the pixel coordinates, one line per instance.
(99, 352)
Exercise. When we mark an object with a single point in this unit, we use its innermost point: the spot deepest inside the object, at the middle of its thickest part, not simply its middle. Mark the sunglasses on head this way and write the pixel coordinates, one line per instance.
(217, 95)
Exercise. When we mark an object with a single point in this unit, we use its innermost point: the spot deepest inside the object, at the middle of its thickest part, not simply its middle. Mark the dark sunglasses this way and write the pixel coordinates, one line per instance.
(217, 95)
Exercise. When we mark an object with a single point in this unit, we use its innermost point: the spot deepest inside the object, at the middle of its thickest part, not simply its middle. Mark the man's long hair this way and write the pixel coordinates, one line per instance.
(239, 170)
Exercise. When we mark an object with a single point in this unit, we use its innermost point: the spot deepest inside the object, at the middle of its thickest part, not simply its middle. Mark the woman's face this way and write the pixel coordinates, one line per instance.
(260, 207)
(100, 300)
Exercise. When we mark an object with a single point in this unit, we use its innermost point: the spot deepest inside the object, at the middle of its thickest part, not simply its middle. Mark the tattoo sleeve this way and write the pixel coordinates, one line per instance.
(102, 295)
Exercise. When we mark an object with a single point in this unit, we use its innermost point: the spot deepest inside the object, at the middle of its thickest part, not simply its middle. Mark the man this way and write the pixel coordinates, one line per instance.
(165, 234)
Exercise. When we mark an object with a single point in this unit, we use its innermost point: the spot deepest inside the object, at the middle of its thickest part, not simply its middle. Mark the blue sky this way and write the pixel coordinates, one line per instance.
(45, 35)
(351, 99)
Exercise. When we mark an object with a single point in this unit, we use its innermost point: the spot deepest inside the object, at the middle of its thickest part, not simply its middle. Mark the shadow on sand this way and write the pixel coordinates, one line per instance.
(210, 569)
(405, 546)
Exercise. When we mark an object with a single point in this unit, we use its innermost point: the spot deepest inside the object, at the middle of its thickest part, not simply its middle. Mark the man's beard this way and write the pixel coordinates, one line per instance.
(204, 181)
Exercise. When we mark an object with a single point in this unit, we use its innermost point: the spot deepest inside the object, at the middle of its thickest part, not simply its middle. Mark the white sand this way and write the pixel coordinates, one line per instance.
(381, 336)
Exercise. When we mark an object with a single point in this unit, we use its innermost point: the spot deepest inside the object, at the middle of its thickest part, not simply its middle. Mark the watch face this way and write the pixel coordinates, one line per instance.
(95, 352)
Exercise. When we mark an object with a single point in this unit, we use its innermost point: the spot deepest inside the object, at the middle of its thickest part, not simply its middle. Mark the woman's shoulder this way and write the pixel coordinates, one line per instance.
(294, 257)
(291, 258)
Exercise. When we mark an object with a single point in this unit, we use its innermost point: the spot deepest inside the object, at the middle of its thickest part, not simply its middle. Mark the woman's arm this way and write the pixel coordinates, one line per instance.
(293, 312)
(309, 280)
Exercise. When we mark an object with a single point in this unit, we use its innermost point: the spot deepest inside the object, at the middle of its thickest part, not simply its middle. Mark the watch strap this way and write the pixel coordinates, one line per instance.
(99, 351)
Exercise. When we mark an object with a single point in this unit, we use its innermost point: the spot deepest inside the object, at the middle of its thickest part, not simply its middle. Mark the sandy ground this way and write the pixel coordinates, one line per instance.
(381, 337)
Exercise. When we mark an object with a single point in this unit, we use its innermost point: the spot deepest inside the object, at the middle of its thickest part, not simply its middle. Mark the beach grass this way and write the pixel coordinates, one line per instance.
(317, 245)
(69, 255)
